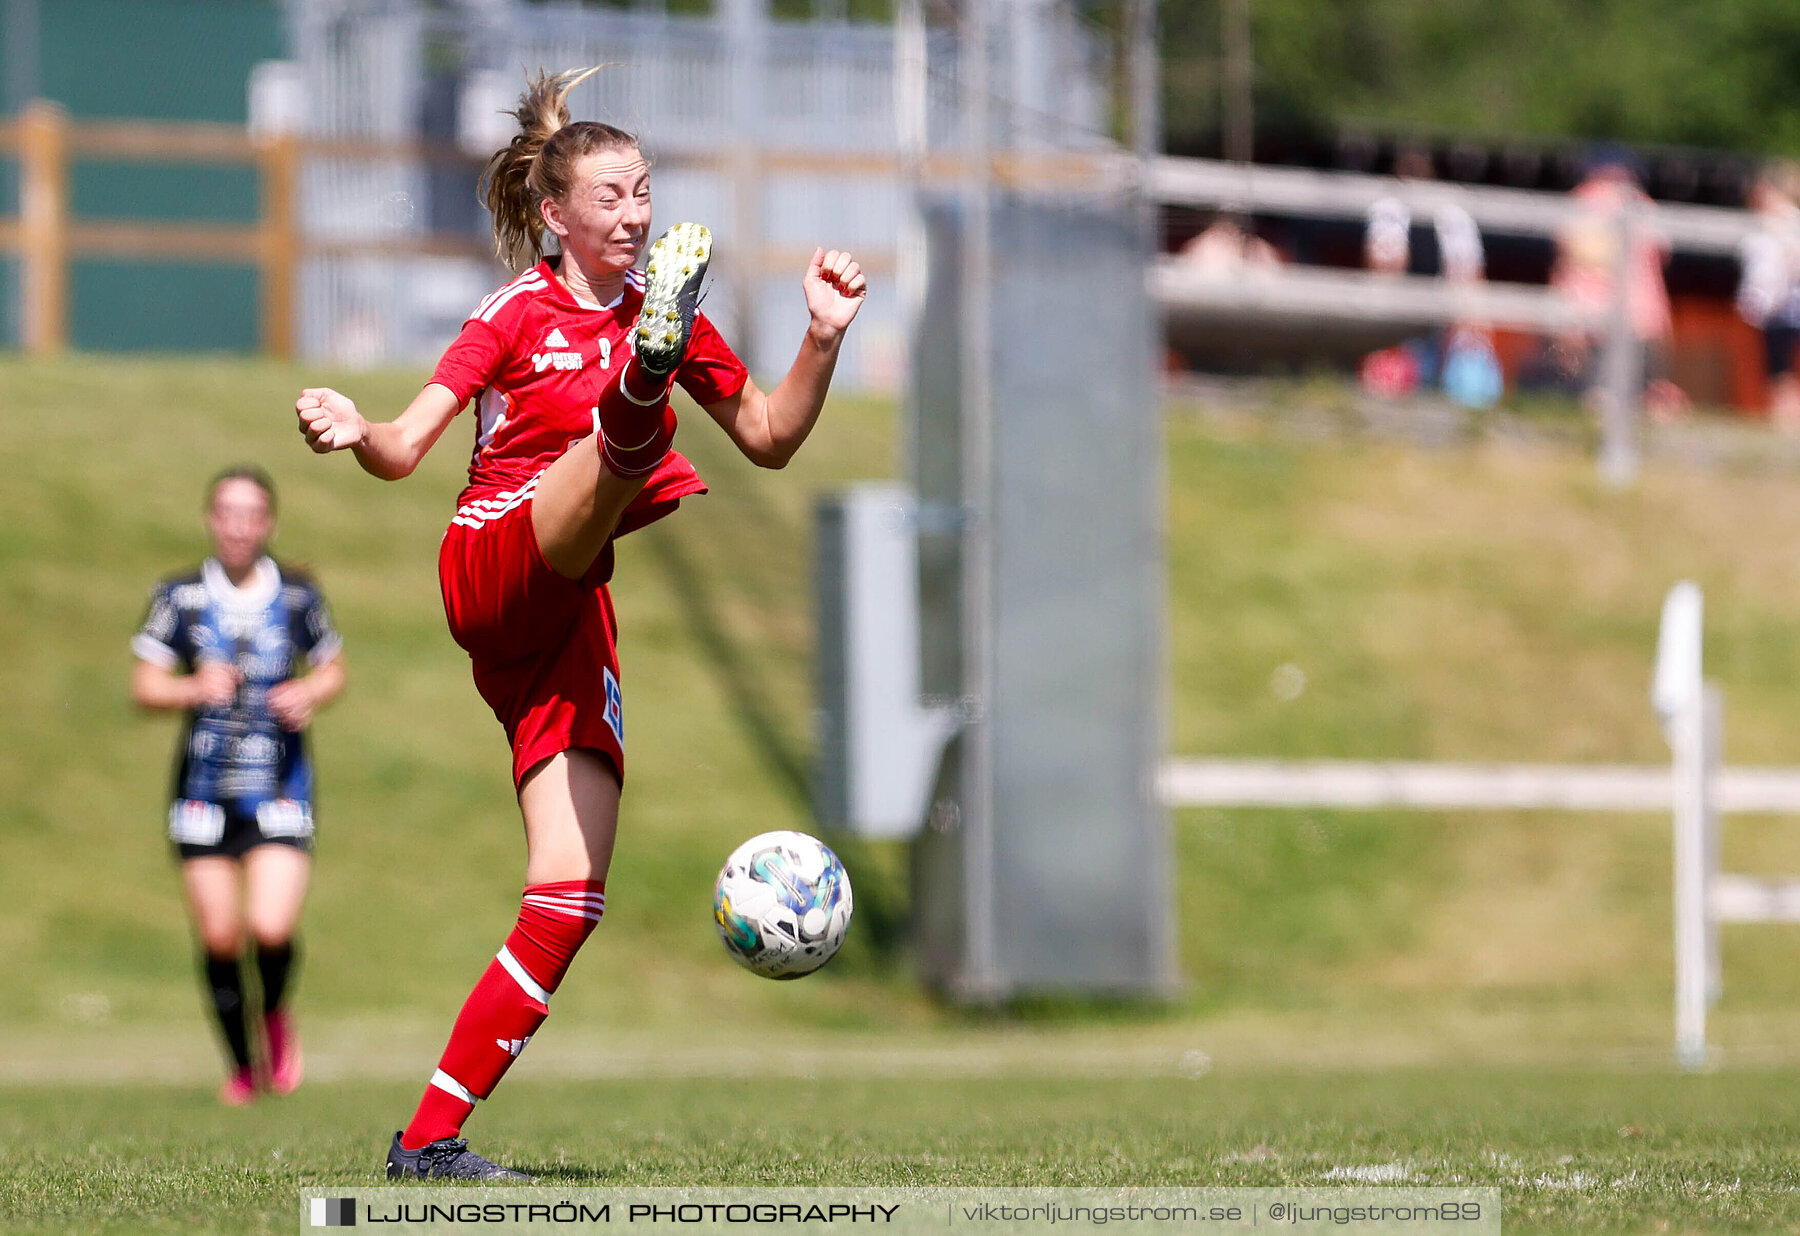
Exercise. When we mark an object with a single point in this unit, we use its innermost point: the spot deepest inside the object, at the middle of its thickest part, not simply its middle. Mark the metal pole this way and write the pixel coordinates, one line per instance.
(22, 54)
(1144, 66)
(747, 23)
(1144, 85)
(981, 980)
(1238, 105)
(912, 126)
(1622, 367)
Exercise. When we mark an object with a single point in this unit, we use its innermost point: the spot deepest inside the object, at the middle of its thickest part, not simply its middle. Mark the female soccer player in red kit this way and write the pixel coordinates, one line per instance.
(571, 366)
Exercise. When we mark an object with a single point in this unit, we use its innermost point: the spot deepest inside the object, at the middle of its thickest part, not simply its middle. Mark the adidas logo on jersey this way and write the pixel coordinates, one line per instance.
(556, 353)
(512, 1047)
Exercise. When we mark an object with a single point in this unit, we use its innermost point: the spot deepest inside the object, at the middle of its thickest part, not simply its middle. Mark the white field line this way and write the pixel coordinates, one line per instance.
(1354, 784)
(356, 1051)
(588, 1057)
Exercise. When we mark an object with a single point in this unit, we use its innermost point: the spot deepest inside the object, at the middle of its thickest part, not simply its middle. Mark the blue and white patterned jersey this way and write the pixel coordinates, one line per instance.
(238, 754)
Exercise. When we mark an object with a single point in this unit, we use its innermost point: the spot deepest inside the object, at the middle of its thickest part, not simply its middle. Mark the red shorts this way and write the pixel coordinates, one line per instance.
(544, 647)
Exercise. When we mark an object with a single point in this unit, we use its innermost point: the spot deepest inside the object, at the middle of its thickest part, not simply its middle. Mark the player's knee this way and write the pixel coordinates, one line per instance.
(272, 933)
(221, 941)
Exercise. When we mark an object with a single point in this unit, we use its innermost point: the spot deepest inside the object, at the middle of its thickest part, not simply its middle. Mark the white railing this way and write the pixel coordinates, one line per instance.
(1354, 785)
(1213, 184)
(1289, 294)
(1694, 787)
(1299, 294)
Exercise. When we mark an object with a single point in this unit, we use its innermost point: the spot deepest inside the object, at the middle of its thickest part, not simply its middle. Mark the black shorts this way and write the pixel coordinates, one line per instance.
(1779, 339)
(203, 830)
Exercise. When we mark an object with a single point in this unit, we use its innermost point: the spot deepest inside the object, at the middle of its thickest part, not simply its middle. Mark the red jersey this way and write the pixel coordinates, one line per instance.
(538, 359)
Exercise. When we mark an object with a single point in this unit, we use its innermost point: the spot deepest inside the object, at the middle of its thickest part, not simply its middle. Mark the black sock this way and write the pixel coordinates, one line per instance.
(275, 963)
(226, 984)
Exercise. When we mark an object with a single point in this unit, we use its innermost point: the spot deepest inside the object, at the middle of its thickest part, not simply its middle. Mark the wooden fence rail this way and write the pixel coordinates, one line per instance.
(46, 237)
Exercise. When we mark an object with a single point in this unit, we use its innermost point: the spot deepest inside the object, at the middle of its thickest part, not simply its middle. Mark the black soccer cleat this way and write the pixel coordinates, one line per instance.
(671, 296)
(446, 1158)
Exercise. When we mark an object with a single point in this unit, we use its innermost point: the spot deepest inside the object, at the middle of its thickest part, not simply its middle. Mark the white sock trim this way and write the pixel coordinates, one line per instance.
(521, 976)
(620, 446)
(443, 1081)
(652, 402)
(620, 470)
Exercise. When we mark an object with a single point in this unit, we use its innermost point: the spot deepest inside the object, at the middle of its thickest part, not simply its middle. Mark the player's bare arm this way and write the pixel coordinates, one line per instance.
(295, 701)
(769, 428)
(163, 690)
(386, 449)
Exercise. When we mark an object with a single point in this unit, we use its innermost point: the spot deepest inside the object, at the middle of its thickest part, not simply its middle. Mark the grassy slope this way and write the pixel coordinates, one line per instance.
(1478, 603)
(1481, 602)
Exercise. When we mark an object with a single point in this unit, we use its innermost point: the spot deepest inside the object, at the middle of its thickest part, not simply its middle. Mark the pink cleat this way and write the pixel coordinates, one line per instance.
(286, 1064)
(239, 1089)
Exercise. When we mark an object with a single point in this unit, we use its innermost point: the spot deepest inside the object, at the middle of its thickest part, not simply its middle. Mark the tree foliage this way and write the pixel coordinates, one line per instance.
(1721, 73)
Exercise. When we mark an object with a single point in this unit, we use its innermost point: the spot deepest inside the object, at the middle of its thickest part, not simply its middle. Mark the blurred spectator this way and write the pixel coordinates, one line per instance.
(1451, 248)
(1586, 264)
(1768, 294)
(1461, 360)
(1229, 247)
(1472, 375)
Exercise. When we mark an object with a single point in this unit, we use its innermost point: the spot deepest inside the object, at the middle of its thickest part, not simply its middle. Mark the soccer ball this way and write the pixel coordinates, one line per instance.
(782, 904)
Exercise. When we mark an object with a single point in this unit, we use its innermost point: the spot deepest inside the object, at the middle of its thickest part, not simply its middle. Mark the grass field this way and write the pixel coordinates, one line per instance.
(1571, 1152)
(1474, 995)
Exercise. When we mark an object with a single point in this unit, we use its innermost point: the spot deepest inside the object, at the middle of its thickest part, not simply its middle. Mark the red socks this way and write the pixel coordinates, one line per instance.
(508, 1004)
(635, 429)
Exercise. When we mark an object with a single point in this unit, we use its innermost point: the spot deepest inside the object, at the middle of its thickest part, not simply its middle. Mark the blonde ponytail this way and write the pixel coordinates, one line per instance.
(539, 163)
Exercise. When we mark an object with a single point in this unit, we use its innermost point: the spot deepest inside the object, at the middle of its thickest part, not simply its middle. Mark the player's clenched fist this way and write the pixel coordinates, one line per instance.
(293, 703)
(835, 289)
(329, 420)
(216, 683)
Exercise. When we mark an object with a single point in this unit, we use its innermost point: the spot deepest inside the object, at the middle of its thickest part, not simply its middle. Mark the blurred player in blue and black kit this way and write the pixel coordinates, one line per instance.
(246, 649)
